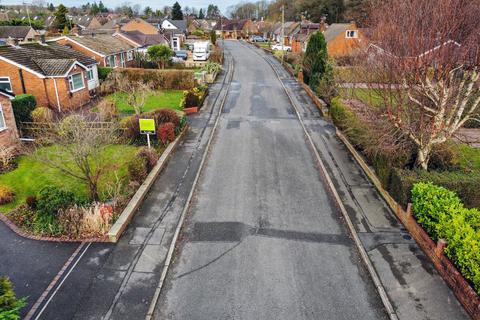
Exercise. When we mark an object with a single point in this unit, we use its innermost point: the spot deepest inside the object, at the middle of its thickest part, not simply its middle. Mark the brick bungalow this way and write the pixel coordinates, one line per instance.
(139, 25)
(141, 41)
(19, 33)
(234, 29)
(107, 50)
(58, 77)
(300, 40)
(343, 39)
(8, 128)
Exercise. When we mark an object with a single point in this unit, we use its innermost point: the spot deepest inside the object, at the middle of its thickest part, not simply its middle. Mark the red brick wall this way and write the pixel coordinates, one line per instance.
(9, 136)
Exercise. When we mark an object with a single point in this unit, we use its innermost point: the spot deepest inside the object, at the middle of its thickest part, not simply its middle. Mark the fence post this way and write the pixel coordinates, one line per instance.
(441, 244)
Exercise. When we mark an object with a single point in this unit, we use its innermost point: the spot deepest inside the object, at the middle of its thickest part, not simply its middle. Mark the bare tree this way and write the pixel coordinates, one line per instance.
(424, 64)
(136, 92)
(77, 149)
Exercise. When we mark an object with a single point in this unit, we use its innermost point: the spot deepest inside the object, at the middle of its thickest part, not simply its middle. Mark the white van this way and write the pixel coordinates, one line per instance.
(201, 51)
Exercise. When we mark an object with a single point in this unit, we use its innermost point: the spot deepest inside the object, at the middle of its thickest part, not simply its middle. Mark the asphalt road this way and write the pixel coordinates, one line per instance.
(263, 239)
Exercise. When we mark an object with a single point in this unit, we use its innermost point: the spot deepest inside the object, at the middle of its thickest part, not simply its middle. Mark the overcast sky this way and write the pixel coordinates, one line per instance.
(158, 4)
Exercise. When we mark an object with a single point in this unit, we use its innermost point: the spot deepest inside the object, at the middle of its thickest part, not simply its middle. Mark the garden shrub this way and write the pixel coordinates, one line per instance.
(6, 195)
(137, 169)
(42, 115)
(10, 306)
(444, 157)
(443, 215)
(103, 72)
(108, 110)
(51, 199)
(23, 105)
(22, 216)
(7, 158)
(216, 55)
(31, 202)
(166, 133)
(70, 221)
(150, 155)
(131, 128)
(166, 115)
(465, 185)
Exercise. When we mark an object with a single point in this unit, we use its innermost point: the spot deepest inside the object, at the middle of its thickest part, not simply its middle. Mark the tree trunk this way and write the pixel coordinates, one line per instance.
(93, 192)
(423, 157)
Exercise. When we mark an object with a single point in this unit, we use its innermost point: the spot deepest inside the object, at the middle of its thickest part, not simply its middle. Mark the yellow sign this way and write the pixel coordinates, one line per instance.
(147, 126)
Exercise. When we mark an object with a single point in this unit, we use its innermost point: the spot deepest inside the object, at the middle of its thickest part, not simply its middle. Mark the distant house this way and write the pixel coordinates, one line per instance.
(107, 50)
(343, 39)
(87, 22)
(300, 40)
(8, 127)
(4, 16)
(141, 26)
(111, 25)
(19, 33)
(289, 29)
(235, 29)
(141, 41)
(58, 77)
(175, 31)
(203, 24)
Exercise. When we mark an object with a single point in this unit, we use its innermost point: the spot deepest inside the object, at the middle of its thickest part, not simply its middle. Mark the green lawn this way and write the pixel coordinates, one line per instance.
(159, 100)
(31, 176)
(469, 157)
(367, 96)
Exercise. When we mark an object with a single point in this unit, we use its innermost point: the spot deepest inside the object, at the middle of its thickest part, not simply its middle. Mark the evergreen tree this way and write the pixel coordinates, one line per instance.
(94, 10)
(51, 8)
(212, 11)
(201, 15)
(101, 7)
(148, 11)
(60, 15)
(315, 60)
(177, 13)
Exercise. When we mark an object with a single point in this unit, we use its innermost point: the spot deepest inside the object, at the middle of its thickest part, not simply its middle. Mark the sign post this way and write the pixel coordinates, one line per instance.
(147, 126)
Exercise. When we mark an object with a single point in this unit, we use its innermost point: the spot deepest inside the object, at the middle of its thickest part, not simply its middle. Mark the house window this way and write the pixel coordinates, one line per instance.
(75, 81)
(129, 55)
(90, 74)
(112, 61)
(3, 125)
(352, 34)
(5, 84)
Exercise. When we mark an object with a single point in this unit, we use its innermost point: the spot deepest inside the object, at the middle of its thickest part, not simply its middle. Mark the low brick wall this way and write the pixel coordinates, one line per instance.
(465, 294)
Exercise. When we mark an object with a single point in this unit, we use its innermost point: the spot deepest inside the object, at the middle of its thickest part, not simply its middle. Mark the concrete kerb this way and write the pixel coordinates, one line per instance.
(132, 207)
(171, 250)
(363, 253)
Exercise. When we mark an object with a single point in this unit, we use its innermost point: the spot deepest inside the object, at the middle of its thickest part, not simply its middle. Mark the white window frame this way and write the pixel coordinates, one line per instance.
(9, 82)
(70, 82)
(351, 34)
(114, 61)
(130, 55)
(2, 117)
(90, 72)
(122, 60)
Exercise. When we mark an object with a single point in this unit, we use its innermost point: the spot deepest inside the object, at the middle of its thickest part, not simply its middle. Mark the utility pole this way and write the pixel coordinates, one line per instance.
(283, 31)
(28, 14)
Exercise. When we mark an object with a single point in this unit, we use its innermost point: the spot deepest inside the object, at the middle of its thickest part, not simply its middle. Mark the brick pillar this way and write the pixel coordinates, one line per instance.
(440, 247)
(300, 76)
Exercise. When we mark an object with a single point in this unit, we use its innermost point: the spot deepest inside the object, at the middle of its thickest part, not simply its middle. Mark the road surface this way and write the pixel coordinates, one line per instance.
(264, 239)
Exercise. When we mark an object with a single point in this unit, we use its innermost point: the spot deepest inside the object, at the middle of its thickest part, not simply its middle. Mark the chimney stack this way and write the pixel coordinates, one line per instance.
(117, 28)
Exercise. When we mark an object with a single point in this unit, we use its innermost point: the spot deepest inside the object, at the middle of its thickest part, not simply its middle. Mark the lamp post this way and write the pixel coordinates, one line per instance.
(283, 31)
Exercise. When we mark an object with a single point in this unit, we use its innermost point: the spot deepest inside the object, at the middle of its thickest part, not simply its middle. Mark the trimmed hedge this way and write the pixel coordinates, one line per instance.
(23, 105)
(103, 72)
(161, 79)
(466, 185)
(444, 216)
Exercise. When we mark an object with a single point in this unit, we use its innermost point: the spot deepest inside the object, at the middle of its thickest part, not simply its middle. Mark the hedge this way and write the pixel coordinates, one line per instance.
(466, 185)
(444, 216)
(161, 79)
(23, 105)
(103, 72)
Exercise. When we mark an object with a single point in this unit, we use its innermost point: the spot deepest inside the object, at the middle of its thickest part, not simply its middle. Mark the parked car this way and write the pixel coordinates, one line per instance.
(258, 39)
(177, 60)
(182, 54)
(280, 47)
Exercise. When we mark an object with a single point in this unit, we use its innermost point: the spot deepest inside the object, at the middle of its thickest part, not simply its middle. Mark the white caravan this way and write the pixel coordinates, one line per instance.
(201, 51)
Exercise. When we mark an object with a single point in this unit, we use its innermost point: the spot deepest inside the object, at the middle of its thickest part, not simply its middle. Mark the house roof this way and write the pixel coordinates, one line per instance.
(49, 60)
(231, 25)
(335, 29)
(113, 23)
(105, 44)
(83, 21)
(144, 40)
(179, 24)
(17, 32)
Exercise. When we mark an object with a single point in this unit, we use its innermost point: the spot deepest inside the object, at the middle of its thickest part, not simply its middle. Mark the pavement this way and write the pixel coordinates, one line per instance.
(263, 238)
